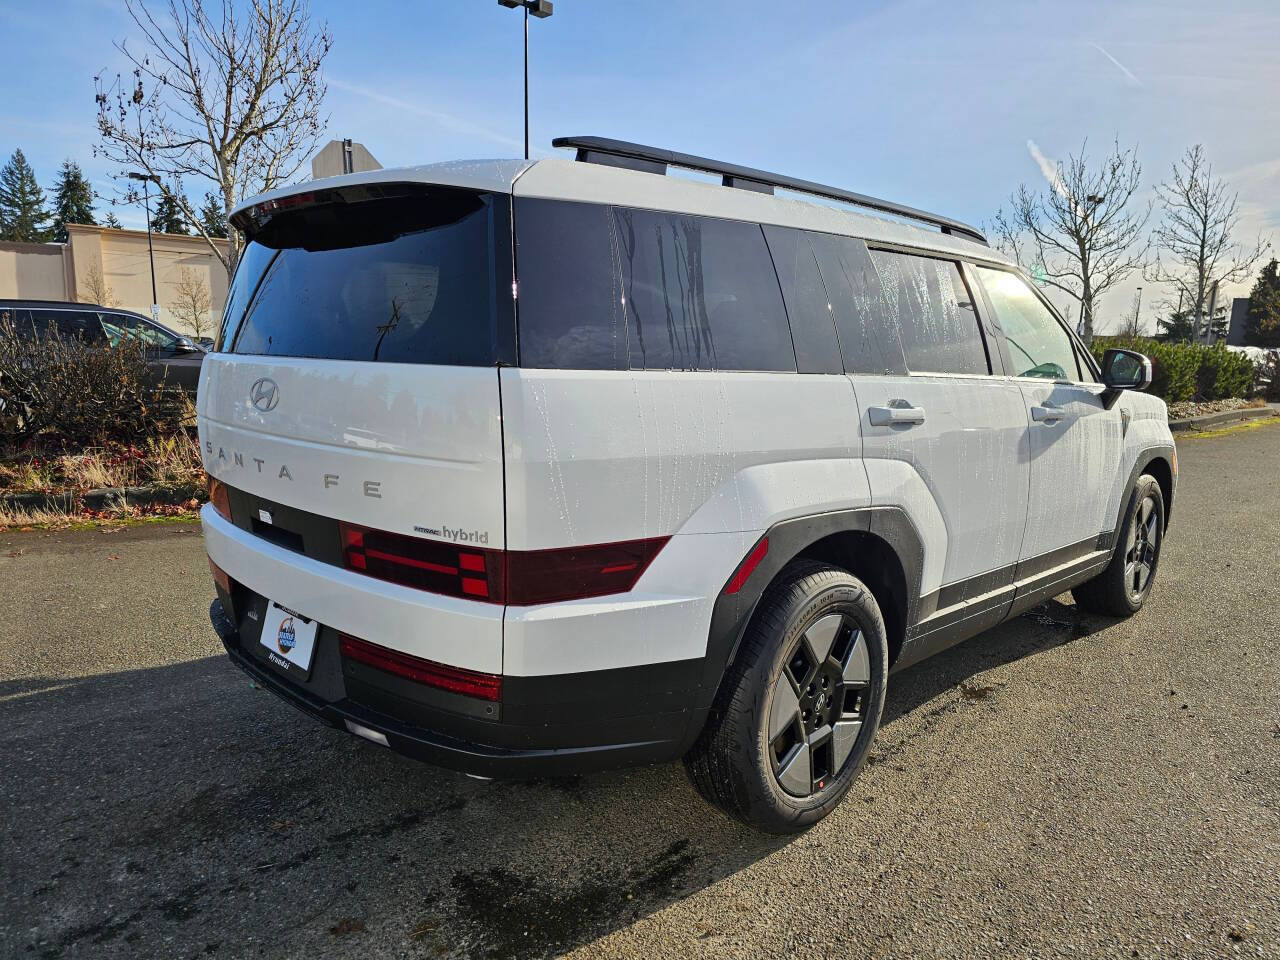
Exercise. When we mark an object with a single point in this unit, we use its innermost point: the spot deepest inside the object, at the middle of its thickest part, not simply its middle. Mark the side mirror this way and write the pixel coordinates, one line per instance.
(184, 345)
(1123, 370)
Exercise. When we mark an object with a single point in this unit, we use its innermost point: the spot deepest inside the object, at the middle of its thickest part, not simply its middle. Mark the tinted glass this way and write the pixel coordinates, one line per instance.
(403, 280)
(570, 290)
(868, 342)
(927, 301)
(812, 330)
(1038, 346)
(253, 261)
(701, 294)
(18, 320)
(120, 325)
(78, 324)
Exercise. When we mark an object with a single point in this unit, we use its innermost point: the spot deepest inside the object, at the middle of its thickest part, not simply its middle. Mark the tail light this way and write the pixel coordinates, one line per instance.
(486, 686)
(218, 497)
(518, 578)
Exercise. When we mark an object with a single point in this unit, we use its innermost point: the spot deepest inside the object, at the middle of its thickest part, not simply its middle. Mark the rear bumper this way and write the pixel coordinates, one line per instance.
(557, 728)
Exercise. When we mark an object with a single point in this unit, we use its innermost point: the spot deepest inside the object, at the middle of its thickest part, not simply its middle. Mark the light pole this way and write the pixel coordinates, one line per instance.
(540, 9)
(146, 203)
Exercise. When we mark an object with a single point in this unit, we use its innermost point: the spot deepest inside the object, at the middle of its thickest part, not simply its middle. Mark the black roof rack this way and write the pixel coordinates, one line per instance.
(637, 156)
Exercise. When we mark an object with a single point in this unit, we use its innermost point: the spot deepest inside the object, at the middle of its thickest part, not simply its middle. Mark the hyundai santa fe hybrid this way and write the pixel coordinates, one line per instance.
(528, 468)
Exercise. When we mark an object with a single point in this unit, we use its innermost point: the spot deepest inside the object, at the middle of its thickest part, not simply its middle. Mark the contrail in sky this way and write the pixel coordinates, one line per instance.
(1133, 81)
(1047, 167)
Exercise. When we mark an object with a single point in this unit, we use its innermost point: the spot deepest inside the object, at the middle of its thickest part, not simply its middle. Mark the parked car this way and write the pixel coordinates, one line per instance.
(172, 358)
(663, 468)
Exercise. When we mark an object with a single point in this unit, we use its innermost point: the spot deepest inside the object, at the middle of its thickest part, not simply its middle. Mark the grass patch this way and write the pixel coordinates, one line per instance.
(170, 461)
(1230, 428)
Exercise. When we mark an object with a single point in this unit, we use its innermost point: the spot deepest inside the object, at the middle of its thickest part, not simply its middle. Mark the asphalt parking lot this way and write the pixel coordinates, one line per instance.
(1057, 787)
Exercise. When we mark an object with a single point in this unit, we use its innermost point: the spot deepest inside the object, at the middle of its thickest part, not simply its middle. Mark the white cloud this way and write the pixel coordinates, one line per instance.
(448, 120)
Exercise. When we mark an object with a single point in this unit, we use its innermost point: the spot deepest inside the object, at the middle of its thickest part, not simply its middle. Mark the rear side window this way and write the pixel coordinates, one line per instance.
(569, 303)
(68, 324)
(701, 294)
(1038, 346)
(928, 303)
(867, 340)
(409, 279)
(812, 330)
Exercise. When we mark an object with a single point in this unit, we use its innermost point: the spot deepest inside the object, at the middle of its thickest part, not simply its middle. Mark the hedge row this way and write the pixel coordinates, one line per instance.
(1188, 371)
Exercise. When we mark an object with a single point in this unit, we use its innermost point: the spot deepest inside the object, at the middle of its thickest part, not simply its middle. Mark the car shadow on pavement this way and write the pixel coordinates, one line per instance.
(180, 810)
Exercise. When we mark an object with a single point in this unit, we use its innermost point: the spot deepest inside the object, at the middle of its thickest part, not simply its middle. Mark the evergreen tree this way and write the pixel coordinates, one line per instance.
(213, 217)
(168, 216)
(23, 215)
(112, 221)
(1262, 326)
(72, 200)
(1176, 328)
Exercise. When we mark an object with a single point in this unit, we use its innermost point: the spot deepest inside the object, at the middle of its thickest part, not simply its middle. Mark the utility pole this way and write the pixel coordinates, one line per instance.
(540, 9)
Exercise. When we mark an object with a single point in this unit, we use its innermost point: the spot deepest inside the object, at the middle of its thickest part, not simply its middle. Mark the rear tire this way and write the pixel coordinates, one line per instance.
(798, 708)
(1123, 587)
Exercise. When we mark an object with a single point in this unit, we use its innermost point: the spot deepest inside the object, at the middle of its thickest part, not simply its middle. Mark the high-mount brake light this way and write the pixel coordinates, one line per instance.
(518, 578)
(470, 683)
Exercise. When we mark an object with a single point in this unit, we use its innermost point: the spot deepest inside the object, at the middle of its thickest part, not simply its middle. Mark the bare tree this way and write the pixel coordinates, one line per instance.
(96, 289)
(1194, 245)
(1079, 236)
(229, 93)
(191, 305)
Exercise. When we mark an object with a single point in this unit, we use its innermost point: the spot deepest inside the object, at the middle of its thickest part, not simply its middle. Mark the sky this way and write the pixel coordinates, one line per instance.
(940, 104)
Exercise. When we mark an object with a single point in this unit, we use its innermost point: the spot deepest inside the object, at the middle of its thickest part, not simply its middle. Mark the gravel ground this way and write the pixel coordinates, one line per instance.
(1057, 787)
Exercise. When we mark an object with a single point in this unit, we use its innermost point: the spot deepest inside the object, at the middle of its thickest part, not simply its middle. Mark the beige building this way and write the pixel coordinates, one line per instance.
(111, 267)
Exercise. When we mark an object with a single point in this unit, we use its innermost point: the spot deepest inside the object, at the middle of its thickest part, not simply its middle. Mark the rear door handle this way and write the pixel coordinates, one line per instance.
(1046, 413)
(894, 415)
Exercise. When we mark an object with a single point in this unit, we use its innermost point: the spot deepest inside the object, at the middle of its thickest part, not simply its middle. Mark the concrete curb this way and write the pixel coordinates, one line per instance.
(1226, 416)
(100, 499)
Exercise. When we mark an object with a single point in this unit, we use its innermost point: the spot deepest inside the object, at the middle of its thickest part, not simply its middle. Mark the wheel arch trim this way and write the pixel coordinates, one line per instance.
(788, 539)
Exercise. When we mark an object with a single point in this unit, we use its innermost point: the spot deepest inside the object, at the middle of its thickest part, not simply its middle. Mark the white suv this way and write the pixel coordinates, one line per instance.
(525, 468)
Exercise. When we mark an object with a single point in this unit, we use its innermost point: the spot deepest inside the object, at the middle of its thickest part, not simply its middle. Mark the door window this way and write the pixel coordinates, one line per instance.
(930, 307)
(1038, 346)
(701, 294)
(121, 326)
(867, 343)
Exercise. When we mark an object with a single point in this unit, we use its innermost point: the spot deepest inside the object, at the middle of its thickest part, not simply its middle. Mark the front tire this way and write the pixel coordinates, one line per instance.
(797, 711)
(1123, 587)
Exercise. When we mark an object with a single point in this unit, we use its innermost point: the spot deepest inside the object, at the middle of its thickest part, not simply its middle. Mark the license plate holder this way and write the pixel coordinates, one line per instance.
(289, 639)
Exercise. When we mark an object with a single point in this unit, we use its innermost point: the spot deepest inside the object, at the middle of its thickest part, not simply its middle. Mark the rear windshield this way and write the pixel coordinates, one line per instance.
(405, 279)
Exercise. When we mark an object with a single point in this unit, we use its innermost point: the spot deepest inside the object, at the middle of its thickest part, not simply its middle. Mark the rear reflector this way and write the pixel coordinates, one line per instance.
(758, 553)
(519, 578)
(218, 497)
(220, 576)
(486, 686)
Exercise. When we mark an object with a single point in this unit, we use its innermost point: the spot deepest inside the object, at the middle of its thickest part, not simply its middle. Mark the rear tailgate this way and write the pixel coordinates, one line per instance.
(356, 381)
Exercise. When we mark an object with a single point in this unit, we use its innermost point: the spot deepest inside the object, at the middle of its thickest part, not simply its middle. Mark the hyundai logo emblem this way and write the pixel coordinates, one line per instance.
(264, 394)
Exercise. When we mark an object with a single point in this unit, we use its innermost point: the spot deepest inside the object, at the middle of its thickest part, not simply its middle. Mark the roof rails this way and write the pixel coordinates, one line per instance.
(637, 156)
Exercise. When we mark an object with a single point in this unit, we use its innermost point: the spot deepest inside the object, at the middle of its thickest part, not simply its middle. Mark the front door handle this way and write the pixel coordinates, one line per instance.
(893, 415)
(1046, 413)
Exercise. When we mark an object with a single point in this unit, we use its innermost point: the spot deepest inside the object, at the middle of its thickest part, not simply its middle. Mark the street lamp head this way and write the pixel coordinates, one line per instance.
(146, 177)
(1095, 198)
(538, 8)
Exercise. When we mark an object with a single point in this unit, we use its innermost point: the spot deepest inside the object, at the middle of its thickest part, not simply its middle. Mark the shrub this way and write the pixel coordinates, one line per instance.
(70, 394)
(1187, 371)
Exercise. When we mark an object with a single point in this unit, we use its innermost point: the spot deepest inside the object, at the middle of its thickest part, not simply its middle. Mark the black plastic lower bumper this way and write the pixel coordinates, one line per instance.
(539, 744)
